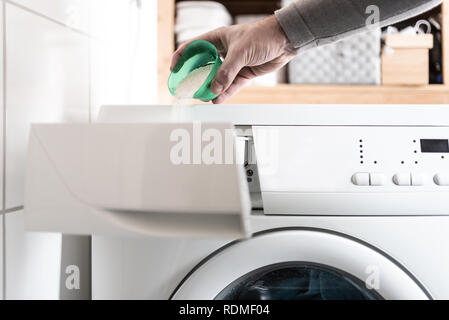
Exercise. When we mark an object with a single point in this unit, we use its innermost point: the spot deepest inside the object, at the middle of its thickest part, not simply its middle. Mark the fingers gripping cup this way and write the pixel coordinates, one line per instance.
(193, 73)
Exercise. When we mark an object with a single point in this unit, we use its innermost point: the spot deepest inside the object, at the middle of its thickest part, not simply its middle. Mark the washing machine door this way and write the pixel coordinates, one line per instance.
(300, 265)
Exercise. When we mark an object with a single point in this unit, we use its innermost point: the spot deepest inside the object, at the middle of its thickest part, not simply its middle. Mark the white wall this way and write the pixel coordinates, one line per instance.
(2, 216)
(64, 59)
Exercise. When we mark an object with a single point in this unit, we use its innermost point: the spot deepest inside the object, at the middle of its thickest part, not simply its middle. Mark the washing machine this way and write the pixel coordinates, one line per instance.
(314, 202)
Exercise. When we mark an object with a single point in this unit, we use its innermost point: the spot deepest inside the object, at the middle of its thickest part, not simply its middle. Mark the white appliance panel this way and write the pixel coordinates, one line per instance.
(366, 170)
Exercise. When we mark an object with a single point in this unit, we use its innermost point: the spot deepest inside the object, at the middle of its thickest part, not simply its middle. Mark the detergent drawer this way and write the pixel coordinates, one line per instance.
(177, 179)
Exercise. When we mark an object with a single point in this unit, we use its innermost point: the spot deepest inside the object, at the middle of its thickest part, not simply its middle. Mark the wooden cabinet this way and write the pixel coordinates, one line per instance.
(309, 94)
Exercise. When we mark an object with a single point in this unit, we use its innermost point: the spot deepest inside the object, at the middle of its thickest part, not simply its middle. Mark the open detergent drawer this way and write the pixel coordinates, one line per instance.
(125, 179)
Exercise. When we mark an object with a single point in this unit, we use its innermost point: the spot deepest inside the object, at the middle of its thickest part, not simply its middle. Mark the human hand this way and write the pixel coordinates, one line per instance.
(249, 50)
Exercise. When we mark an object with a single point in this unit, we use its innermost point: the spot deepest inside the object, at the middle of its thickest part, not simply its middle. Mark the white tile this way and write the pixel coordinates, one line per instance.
(1, 103)
(47, 81)
(74, 13)
(1, 149)
(1, 257)
(124, 48)
(32, 261)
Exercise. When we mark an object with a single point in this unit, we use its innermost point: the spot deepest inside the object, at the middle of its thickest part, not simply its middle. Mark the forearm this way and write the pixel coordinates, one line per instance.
(309, 23)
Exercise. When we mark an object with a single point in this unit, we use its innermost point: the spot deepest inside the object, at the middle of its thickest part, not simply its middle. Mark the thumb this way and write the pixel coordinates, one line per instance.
(226, 74)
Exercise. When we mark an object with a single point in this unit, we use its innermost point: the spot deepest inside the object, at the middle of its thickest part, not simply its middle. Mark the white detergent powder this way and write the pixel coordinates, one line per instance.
(194, 80)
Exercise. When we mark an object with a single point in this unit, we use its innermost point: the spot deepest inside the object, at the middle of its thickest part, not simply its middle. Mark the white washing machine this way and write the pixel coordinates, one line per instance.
(321, 202)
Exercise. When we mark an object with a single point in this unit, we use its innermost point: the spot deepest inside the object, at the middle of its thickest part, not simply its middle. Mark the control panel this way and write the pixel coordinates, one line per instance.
(345, 159)
(425, 152)
(371, 169)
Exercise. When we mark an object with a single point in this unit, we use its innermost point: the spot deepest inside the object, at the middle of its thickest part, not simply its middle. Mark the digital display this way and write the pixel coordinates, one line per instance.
(435, 145)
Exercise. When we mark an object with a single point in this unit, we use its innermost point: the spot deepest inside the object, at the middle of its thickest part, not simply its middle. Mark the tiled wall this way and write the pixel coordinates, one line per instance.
(62, 60)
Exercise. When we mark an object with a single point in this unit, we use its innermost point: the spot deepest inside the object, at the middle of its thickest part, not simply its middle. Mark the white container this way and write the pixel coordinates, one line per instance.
(194, 18)
(200, 14)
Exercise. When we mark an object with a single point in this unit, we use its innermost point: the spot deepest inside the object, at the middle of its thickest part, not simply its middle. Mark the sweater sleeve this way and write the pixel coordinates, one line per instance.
(310, 23)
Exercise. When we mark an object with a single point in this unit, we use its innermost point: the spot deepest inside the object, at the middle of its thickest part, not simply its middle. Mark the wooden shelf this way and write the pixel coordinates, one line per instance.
(308, 94)
(321, 94)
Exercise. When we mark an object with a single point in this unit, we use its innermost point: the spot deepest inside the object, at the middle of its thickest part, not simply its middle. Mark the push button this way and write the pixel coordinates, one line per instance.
(442, 179)
(402, 179)
(377, 179)
(417, 179)
(360, 179)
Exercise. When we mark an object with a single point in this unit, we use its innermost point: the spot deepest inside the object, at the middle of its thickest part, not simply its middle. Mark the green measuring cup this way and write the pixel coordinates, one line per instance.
(198, 54)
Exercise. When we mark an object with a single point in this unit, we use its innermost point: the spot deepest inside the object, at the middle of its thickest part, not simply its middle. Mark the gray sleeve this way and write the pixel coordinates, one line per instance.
(310, 23)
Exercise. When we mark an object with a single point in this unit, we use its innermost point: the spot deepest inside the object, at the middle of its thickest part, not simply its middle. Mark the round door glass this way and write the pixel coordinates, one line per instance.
(297, 281)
